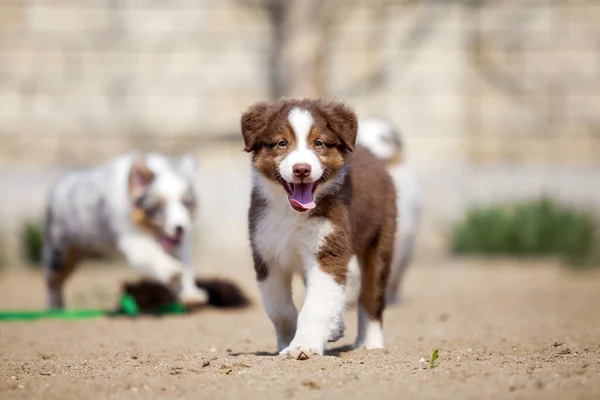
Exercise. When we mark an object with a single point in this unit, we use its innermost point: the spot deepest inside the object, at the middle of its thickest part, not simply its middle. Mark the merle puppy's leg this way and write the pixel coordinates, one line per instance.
(188, 292)
(145, 255)
(58, 263)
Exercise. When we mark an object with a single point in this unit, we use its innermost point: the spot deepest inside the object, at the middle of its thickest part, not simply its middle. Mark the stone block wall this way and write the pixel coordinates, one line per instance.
(111, 71)
(81, 80)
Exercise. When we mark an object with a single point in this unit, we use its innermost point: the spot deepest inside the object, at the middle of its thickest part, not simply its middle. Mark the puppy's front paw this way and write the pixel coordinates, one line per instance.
(301, 351)
(193, 297)
(373, 337)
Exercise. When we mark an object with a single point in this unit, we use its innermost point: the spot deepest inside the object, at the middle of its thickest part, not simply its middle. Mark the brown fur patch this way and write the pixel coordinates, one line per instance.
(336, 252)
(267, 157)
(140, 218)
(342, 121)
(396, 158)
(139, 179)
(330, 154)
(257, 206)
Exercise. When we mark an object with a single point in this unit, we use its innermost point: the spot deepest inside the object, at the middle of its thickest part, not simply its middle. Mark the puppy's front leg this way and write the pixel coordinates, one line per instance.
(188, 292)
(323, 306)
(276, 292)
(144, 254)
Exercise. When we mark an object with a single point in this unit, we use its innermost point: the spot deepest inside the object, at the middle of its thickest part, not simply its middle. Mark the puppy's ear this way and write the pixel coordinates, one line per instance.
(343, 122)
(253, 124)
(188, 165)
(140, 177)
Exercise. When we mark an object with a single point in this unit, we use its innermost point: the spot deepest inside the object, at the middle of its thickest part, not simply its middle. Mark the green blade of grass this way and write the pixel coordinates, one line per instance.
(434, 357)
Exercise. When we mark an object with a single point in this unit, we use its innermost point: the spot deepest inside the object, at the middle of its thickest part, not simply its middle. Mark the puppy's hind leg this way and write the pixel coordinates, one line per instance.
(375, 274)
(402, 258)
(58, 263)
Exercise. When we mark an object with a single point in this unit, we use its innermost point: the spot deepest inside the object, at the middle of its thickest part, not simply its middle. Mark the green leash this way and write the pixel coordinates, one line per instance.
(51, 314)
(128, 307)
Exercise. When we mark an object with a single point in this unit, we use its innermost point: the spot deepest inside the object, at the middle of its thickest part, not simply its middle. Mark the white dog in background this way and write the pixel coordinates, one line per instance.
(139, 205)
(385, 142)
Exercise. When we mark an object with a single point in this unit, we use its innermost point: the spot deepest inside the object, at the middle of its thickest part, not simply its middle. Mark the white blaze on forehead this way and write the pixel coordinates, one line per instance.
(301, 122)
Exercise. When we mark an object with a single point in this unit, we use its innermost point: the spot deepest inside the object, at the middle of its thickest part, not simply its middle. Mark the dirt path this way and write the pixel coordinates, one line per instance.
(502, 331)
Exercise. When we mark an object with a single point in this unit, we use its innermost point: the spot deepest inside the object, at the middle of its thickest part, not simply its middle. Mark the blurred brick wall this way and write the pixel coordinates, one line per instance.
(537, 93)
(503, 81)
(512, 81)
(87, 76)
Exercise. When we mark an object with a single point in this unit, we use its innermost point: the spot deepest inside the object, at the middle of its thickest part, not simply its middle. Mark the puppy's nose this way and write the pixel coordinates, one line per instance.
(302, 170)
(179, 230)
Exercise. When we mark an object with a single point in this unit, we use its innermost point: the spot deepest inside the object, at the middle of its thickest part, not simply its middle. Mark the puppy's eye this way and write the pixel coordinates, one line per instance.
(188, 201)
(282, 144)
(153, 209)
(319, 143)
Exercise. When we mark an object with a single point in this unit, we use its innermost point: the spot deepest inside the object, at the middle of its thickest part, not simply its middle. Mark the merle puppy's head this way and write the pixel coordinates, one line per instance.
(163, 197)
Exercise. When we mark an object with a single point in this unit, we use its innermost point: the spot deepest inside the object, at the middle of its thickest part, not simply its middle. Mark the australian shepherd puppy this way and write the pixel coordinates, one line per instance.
(321, 207)
(380, 136)
(141, 206)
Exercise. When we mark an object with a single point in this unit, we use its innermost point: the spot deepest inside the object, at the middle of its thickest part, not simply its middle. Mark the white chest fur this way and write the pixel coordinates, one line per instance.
(286, 238)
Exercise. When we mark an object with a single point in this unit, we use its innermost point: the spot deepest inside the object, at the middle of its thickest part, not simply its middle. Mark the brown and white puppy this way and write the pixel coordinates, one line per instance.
(323, 208)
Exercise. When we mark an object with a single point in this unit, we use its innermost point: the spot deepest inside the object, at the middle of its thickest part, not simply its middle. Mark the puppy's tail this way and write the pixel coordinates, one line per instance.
(223, 293)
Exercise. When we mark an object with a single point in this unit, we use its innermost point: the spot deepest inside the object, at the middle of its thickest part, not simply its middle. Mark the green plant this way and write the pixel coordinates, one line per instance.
(434, 358)
(32, 242)
(537, 228)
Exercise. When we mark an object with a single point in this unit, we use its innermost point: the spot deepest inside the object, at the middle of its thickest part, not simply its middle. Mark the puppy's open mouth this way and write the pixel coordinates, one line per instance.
(301, 195)
(169, 243)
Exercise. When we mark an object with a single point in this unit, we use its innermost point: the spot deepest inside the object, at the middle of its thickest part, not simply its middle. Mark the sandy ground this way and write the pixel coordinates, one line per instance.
(503, 330)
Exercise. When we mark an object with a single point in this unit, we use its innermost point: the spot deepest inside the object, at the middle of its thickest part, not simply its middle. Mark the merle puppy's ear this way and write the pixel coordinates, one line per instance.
(188, 165)
(343, 122)
(253, 124)
(140, 177)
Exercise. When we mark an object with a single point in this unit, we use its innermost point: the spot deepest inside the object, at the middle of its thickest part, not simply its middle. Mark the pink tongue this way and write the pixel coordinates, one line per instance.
(302, 195)
(168, 244)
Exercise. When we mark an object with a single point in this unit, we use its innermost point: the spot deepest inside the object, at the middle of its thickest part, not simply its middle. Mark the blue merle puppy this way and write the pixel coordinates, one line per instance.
(139, 205)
